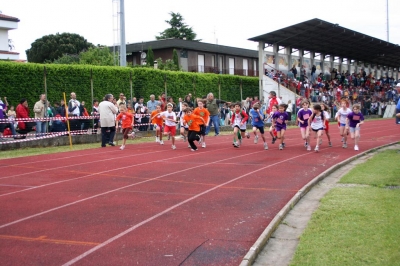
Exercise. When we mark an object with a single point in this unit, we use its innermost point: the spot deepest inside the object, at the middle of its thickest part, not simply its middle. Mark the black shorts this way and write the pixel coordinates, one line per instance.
(203, 129)
(261, 129)
(241, 130)
(316, 130)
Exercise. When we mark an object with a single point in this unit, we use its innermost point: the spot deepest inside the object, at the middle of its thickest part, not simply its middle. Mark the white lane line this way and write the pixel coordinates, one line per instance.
(7, 185)
(76, 259)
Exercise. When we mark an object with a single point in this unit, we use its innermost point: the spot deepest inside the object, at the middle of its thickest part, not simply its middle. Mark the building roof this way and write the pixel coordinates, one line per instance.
(190, 45)
(8, 18)
(331, 39)
(7, 52)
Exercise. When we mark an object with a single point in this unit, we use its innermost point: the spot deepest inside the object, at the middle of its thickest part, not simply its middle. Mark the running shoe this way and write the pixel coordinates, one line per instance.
(316, 148)
(284, 145)
(308, 147)
(122, 147)
(161, 142)
(256, 139)
(280, 146)
(173, 147)
(305, 144)
(203, 145)
(330, 144)
(193, 149)
(356, 147)
(236, 145)
(344, 145)
(157, 140)
(265, 146)
(273, 140)
(189, 146)
(247, 135)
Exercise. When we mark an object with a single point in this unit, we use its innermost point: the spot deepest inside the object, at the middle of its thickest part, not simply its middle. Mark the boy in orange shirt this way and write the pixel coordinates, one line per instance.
(127, 123)
(157, 120)
(205, 114)
(193, 121)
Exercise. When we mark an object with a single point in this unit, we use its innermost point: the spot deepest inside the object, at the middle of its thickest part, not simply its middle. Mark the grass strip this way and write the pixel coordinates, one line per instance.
(357, 225)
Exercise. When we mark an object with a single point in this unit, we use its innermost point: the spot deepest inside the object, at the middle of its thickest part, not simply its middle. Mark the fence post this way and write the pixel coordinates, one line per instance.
(130, 86)
(194, 91)
(69, 129)
(91, 91)
(45, 92)
(219, 88)
(241, 91)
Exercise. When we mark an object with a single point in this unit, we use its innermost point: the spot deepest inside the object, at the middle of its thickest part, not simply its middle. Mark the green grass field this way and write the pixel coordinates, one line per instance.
(357, 225)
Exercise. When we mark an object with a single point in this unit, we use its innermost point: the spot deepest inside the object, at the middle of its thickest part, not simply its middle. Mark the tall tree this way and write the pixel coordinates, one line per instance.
(51, 47)
(175, 58)
(150, 57)
(99, 56)
(178, 29)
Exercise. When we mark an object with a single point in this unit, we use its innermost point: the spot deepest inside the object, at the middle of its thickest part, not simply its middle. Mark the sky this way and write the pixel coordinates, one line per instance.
(229, 23)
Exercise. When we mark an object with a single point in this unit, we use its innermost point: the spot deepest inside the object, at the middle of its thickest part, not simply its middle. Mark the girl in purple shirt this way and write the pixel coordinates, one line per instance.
(353, 122)
(302, 117)
(279, 123)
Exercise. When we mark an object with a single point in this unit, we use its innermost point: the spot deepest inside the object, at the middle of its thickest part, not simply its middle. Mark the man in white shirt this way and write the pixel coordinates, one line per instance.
(107, 111)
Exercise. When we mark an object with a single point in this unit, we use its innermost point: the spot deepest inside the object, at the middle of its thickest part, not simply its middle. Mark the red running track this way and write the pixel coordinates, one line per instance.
(151, 205)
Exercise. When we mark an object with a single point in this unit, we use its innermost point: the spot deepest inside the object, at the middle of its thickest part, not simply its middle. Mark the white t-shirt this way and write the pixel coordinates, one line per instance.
(317, 122)
(342, 114)
(169, 115)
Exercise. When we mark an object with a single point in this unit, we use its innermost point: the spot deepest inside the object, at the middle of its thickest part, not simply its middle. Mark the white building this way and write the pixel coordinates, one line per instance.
(6, 48)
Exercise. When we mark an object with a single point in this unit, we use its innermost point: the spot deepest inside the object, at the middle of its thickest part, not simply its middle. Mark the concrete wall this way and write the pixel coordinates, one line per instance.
(271, 85)
(4, 39)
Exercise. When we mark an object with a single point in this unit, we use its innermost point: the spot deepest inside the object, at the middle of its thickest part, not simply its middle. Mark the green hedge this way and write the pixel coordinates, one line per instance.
(18, 80)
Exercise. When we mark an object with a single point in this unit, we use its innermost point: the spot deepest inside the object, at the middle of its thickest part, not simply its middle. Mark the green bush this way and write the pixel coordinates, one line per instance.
(27, 81)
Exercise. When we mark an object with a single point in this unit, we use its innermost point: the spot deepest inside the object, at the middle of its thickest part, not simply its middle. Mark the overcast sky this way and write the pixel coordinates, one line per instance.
(230, 23)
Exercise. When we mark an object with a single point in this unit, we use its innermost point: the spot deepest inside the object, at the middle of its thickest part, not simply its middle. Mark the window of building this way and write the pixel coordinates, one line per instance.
(231, 66)
(245, 67)
(255, 67)
(200, 63)
(220, 63)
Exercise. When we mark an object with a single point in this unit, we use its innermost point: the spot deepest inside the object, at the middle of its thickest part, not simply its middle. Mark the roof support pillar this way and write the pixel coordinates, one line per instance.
(374, 72)
(276, 55)
(289, 53)
(261, 70)
(355, 67)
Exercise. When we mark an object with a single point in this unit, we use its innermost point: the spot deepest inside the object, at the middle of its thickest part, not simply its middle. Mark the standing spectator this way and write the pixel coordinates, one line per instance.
(74, 110)
(212, 106)
(152, 103)
(95, 112)
(163, 101)
(40, 110)
(289, 110)
(121, 99)
(22, 111)
(294, 71)
(107, 111)
(134, 101)
(84, 112)
(188, 101)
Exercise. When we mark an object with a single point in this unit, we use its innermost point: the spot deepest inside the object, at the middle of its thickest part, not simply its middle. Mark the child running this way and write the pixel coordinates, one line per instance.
(205, 114)
(341, 117)
(127, 123)
(193, 122)
(317, 123)
(157, 120)
(272, 130)
(325, 110)
(170, 123)
(353, 122)
(183, 128)
(257, 121)
(302, 117)
(238, 122)
(279, 122)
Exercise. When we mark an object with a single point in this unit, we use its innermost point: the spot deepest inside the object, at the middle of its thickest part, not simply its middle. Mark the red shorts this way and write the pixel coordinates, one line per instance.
(326, 125)
(171, 129)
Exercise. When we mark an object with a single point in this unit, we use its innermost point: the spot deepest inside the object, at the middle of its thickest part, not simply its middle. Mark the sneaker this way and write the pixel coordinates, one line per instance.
(216, 135)
(173, 147)
(247, 135)
(308, 147)
(161, 142)
(316, 148)
(193, 149)
(265, 146)
(122, 147)
(273, 140)
(356, 147)
(305, 144)
(111, 143)
(189, 146)
(256, 139)
(344, 145)
(284, 145)
(157, 139)
(203, 145)
(280, 146)
(235, 144)
(330, 144)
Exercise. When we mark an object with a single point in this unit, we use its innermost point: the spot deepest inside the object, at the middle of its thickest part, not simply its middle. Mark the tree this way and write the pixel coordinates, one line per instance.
(150, 57)
(52, 47)
(67, 59)
(99, 56)
(178, 29)
(175, 58)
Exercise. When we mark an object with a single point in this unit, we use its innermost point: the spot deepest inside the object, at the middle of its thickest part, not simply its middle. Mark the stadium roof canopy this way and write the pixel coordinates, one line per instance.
(331, 39)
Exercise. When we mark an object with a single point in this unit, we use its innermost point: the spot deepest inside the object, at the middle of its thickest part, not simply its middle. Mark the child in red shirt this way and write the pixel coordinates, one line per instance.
(157, 120)
(205, 114)
(193, 121)
(127, 123)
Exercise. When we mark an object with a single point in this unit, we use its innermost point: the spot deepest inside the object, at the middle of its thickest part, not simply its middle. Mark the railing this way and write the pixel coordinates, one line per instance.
(216, 70)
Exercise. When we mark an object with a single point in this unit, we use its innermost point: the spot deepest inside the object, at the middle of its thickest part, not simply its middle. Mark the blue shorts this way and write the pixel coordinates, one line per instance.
(261, 129)
(342, 125)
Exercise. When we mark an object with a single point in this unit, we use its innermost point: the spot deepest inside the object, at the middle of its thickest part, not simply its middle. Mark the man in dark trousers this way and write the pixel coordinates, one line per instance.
(213, 105)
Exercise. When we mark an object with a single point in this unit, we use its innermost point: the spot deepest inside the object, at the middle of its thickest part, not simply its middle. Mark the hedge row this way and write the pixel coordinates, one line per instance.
(19, 80)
